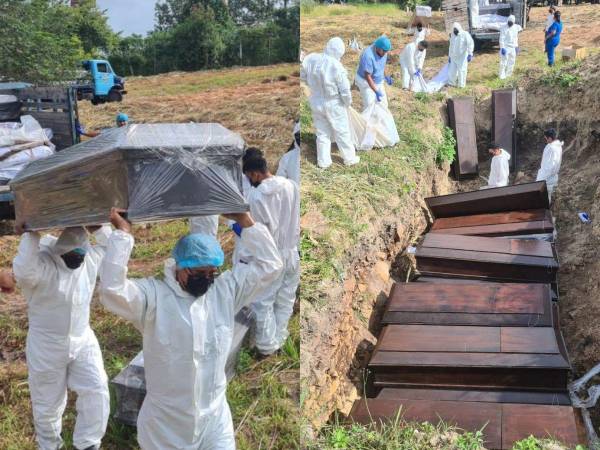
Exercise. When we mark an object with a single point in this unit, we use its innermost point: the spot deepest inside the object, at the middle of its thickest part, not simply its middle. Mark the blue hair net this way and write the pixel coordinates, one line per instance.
(198, 250)
(122, 117)
(383, 43)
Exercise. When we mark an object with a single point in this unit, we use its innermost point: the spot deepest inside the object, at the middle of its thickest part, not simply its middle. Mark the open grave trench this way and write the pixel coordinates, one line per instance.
(383, 259)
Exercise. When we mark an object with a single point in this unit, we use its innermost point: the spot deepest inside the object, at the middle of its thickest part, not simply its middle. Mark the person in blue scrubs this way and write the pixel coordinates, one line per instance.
(553, 37)
(370, 75)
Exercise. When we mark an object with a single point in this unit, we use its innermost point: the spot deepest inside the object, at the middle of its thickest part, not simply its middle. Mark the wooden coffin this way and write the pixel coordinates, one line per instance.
(490, 304)
(503, 424)
(504, 122)
(443, 255)
(465, 357)
(504, 199)
(478, 395)
(461, 114)
(517, 223)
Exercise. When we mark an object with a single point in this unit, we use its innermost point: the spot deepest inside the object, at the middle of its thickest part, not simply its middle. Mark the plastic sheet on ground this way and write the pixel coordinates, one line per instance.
(154, 171)
(130, 383)
(419, 83)
(374, 127)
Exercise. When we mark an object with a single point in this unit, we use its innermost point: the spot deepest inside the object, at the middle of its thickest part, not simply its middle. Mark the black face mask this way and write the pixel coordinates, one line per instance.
(255, 183)
(198, 284)
(455, 32)
(73, 260)
(297, 138)
(419, 28)
(510, 24)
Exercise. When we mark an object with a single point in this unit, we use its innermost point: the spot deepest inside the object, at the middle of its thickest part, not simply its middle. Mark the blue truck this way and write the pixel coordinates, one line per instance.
(102, 83)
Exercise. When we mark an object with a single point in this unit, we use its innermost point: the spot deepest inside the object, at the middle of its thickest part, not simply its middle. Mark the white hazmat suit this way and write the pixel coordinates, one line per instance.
(62, 350)
(550, 166)
(276, 204)
(474, 6)
(509, 42)
(330, 98)
(499, 170)
(186, 340)
(205, 225)
(410, 60)
(461, 47)
(289, 164)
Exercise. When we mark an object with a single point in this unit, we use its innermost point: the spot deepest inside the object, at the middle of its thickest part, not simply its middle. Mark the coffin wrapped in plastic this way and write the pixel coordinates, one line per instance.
(154, 171)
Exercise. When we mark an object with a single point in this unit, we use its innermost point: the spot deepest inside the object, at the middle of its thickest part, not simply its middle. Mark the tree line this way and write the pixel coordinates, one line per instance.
(45, 40)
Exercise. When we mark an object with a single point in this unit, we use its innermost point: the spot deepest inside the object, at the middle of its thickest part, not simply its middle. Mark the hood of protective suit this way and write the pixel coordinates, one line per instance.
(335, 48)
(458, 27)
(512, 19)
(70, 239)
(557, 144)
(504, 154)
(272, 185)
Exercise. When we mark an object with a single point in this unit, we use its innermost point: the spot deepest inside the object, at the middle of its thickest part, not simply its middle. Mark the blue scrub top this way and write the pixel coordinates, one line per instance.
(371, 63)
(558, 28)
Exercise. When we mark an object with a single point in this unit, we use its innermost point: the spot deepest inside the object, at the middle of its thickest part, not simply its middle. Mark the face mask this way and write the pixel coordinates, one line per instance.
(297, 138)
(510, 24)
(73, 260)
(455, 32)
(255, 183)
(198, 284)
(419, 28)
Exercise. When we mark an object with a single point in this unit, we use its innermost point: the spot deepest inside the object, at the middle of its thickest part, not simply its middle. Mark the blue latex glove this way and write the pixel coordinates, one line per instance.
(518, 50)
(449, 60)
(389, 80)
(469, 58)
(378, 95)
(503, 51)
(237, 229)
(417, 73)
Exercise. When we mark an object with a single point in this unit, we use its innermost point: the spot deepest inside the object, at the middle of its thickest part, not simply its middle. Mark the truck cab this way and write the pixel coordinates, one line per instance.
(103, 85)
(483, 18)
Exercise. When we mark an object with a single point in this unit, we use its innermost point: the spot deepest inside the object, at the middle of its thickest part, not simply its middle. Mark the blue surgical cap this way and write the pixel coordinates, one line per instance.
(383, 43)
(122, 117)
(198, 250)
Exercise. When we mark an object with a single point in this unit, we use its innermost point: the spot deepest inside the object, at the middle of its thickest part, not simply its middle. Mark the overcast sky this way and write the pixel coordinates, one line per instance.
(129, 16)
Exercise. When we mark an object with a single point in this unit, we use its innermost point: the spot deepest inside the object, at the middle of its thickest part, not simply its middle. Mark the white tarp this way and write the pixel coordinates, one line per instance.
(11, 166)
(434, 85)
(492, 21)
(29, 130)
(374, 127)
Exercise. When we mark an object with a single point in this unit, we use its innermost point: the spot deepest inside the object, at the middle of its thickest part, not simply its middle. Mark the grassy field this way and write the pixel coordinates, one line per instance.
(260, 104)
(343, 208)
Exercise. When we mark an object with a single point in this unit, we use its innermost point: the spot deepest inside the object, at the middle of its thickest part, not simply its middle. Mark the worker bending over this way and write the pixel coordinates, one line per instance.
(57, 278)
(509, 47)
(330, 98)
(412, 59)
(499, 169)
(275, 202)
(551, 160)
(370, 74)
(187, 323)
(460, 55)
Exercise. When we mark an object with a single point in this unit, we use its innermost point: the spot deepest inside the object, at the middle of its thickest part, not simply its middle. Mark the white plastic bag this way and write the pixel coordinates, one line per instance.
(374, 127)
(434, 85)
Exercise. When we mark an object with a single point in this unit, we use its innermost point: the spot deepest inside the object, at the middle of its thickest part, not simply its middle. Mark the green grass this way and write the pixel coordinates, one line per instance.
(372, 9)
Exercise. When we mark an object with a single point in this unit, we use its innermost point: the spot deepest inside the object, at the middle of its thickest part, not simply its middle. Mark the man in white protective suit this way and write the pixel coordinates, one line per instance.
(57, 278)
(275, 202)
(509, 47)
(289, 164)
(551, 160)
(499, 168)
(330, 98)
(460, 55)
(411, 61)
(187, 323)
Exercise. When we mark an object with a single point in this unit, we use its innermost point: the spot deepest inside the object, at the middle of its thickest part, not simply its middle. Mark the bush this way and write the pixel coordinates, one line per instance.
(307, 6)
(446, 149)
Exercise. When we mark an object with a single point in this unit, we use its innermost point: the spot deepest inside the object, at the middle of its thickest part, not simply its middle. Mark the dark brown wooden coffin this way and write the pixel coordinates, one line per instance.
(516, 260)
(478, 395)
(469, 357)
(533, 221)
(504, 122)
(490, 304)
(504, 199)
(461, 114)
(502, 423)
